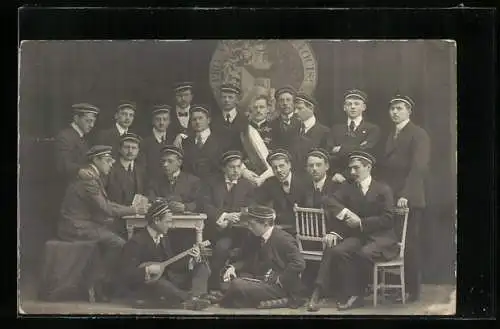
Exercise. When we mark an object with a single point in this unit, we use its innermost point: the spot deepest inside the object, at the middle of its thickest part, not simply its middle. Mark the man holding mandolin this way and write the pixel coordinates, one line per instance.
(154, 274)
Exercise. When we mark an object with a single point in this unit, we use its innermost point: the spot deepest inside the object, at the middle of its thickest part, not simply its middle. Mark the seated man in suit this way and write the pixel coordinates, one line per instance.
(180, 189)
(267, 269)
(320, 186)
(127, 177)
(87, 214)
(182, 282)
(312, 133)
(223, 198)
(124, 117)
(362, 213)
(202, 150)
(283, 190)
(355, 134)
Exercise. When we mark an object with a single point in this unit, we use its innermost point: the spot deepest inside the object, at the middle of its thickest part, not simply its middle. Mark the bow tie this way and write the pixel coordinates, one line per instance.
(180, 114)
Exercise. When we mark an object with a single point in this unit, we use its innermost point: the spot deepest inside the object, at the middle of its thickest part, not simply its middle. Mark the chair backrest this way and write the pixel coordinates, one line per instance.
(404, 213)
(310, 224)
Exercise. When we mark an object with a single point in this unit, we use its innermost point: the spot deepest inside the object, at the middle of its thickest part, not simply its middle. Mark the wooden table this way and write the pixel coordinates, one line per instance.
(192, 221)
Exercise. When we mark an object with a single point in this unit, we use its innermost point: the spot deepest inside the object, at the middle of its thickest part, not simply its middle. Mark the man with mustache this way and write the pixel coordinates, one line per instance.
(180, 128)
(355, 134)
(127, 177)
(285, 128)
(404, 166)
(153, 144)
(361, 211)
(124, 117)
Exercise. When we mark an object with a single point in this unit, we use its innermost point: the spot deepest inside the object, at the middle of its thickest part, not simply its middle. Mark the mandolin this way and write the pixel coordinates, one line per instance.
(174, 259)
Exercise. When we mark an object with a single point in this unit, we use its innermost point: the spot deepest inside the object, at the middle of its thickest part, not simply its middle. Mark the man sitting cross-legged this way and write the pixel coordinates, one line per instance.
(185, 281)
(269, 265)
(362, 212)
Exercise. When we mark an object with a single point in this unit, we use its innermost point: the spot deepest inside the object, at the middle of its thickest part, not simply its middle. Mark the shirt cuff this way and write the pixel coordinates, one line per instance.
(342, 214)
(220, 220)
(191, 264)
(146, 274)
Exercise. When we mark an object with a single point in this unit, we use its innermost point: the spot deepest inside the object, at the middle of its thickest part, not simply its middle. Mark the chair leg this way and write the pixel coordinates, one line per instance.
(402, 276)
(375, 285)
(382, 285)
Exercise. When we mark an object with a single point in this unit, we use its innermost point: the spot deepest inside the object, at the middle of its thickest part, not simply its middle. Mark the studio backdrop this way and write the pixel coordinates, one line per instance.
(56, 74)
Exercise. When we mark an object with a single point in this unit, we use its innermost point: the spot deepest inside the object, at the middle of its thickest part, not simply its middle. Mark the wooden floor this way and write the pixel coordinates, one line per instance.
(431, 294)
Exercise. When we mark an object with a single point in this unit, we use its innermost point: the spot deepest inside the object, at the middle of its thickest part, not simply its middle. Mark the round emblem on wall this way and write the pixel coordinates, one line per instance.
(262, 66)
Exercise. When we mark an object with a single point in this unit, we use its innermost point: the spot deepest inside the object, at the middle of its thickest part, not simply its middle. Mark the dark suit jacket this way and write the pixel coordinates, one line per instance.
(316, 136)
(280, 253)
(204, 162)
(271, 193)
(175, 126)
(86, 208)
(375, 210)
(283, 135)
(364, 138)
(216, 200)
(186, 190)
(313, 199)
(150, 154)
(117, 186)
(70, 153)
(405, 162)
(141, 248)
(229, 134)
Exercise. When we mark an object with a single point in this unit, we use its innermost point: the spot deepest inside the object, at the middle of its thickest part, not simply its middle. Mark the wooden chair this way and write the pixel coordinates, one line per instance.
(311, 226)
(395, 266)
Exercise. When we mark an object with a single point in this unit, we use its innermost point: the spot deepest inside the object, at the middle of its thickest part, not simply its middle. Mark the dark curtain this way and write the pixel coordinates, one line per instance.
(55, 75)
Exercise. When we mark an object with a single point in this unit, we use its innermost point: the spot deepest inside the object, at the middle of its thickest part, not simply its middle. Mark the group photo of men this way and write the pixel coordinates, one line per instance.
(244, 151)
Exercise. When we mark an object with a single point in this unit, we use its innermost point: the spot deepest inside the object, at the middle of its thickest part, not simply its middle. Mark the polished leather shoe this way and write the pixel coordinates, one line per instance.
(352, 302)
(313, 305)
(196, 304)
(273, 303)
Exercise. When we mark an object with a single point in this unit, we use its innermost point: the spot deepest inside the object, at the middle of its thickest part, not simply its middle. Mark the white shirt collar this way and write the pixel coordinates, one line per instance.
(182, 110)
(158, 135)
(309, 123)
(357, 121)
(365, 184)
(260, 123)
(126, 163)
(320, 184)
(267, 234)
(78, 130)
(121, 130)
(204, 135)
(232, 114)
(402, 124)
(227, 180)
(94, 168)
(288, 179)
(154, 235)
(176, 174)
(287, 116)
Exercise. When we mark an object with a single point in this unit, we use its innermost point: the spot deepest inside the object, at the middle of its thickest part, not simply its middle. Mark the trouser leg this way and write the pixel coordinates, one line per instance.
(243, 293)
(220, 255)
(412, 253)
(199, 280)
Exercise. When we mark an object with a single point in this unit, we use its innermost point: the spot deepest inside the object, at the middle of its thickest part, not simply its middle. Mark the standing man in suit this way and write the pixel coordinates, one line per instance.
(127, 177)
(223, 198)
(285, 128)
(87, 213)
(159, 137)
(124, 117)
(283, 190)
(182, 283)
(71, 143)
(180, 127)
(404, 166)
(230, 123)
(312, 133)
(268, 269)
(180, 189)
(355, 135)
(362, 213)
(202, 150)
(320, 186)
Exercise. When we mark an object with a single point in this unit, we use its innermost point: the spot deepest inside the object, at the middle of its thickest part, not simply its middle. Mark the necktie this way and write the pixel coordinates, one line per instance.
(396, 133)
(262, 241)
(352, 126)
(360, 188)
(199, 141)
(172, 180)
(129, 167)
(302, 129)
(182, 115)
(163, 139)
(229, 185)
(228, 118)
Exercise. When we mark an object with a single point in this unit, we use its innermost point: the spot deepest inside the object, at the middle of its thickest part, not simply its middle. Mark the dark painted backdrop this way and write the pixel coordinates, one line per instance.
(55, 75)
